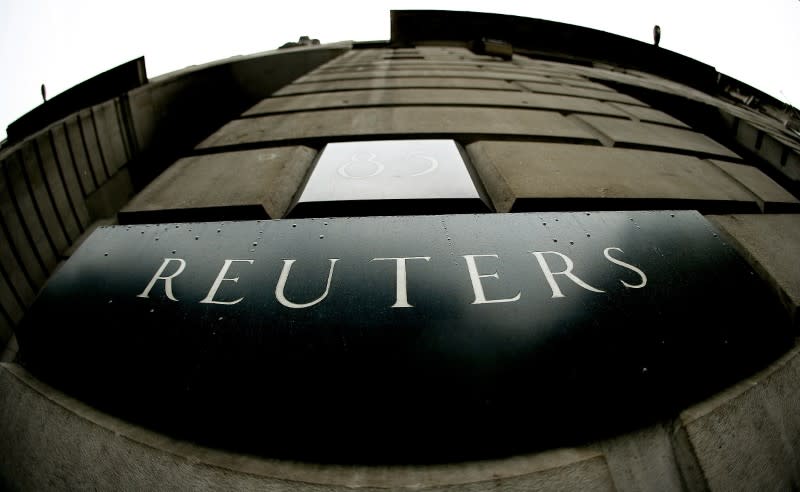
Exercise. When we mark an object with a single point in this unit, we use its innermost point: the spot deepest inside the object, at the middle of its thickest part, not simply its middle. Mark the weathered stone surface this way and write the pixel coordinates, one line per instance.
(516, 172)
(431, 120)
(110, 135)
(111, 196)
(34, 236)
(40, 195)
(651, 115)
(63, 444)
(264, 179)
(57, 187)
(634, 133)
(73, 185)
(80, 158)
(13, 268)
(429, 72)
(93, 148)
(771, 197)
(748, 437)
(395, 97)
(406, 82)
(602, 95)
(771, 243)
(643, 460)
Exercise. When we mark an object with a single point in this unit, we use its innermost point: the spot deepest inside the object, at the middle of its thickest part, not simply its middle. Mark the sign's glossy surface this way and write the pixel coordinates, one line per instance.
(392, 174)
(396, 338)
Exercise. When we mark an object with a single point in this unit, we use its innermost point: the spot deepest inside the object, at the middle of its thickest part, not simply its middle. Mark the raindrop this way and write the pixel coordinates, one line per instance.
(587, 213)
(324, 223)
(252, 251)
(294, 225)
(321, 236)
(544, 223)
(142, 232)
(255, 244)
(173, 251)
(588, 235)
(672, 215)
(219, 319)
(556, 220)
(572, 242)
(152, 310)
(196, 238)
(177, 227)
(644, 370)
(156, 239)
(219, 230)
(555, 240)
(110, 301)
(105, 254)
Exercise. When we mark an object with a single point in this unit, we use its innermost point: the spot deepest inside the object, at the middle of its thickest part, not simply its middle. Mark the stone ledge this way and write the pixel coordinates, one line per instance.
(748, 437)
(63, 443)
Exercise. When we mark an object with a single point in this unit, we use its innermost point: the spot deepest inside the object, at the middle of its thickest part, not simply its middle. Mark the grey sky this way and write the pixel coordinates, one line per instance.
(63, 43)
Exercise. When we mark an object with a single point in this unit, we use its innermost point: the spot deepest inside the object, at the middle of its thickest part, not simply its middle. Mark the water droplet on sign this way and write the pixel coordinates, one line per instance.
(321, 236)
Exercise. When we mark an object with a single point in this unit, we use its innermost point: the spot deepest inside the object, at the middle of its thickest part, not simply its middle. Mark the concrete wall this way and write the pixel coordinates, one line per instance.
(540, 135)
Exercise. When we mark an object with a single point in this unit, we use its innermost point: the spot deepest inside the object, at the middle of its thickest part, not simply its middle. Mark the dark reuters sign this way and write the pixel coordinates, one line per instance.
(397, 338)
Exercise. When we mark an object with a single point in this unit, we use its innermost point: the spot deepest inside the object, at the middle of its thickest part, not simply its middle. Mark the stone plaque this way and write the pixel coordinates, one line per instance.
(397, 338)
(389, 177)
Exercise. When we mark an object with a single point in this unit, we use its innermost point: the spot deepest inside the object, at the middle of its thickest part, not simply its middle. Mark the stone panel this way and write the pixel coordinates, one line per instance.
(38, 239)
(14, 270)
(771, 197)
(633, 133)
(430, 72)
(83, 165)
(57, 188)
(392, 97)
(518, 175)
(260, 182)
(439, 120)
(40, 194)
(110, 135)
(771, 243)
(650, 115)
(72, 182)
(602, 95)
(95, 152)
(405, 82)
(748, 437)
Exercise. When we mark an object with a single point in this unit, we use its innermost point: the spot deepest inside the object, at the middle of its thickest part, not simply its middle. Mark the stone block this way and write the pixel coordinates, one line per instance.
(257, 183)
(92, 144)
(602, 95)
(41, 197)
(577, 81)
(10, 303)
(418, 97)
(650, 115)
(771, 243)
(57, 188)
(748, 437)
(747, 135)
(13, 264)
(626, 133)
(111, 136)
(771, 196)
(111, 196)
(406, 82)
(69, 171)
(396, 121)
(429, 72)
(80, 157)
(34, 231)
(522, 176)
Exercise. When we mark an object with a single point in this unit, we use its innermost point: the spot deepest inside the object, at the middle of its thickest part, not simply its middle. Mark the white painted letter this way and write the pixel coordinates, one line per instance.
(215, 286)
(550, 275)
(477, 287)
(628, 266)
(287, 267)
(167, 280)
(402, 295)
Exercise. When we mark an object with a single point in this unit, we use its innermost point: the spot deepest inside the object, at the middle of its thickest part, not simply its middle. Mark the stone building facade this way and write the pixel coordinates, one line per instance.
(560, 126)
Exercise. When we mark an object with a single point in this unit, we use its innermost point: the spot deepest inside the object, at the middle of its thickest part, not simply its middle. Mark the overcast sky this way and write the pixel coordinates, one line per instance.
(61, 43)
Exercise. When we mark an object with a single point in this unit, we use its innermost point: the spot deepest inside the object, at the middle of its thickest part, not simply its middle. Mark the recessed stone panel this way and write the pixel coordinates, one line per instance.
(771, 196)
(389, 177)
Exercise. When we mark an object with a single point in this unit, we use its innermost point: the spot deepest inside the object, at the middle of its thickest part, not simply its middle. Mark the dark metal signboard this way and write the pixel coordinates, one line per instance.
(403, 338)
